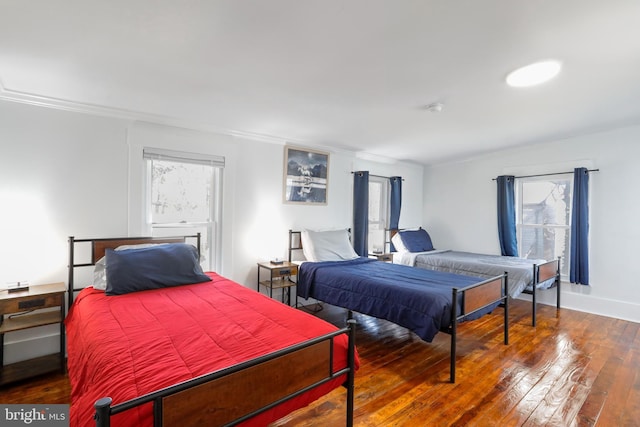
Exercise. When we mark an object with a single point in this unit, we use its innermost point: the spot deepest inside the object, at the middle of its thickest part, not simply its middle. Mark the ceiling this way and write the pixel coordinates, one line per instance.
(347, 75)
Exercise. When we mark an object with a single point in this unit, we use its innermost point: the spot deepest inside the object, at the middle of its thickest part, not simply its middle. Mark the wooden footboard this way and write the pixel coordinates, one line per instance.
(235, 394)
(541, 273)
(474, 298)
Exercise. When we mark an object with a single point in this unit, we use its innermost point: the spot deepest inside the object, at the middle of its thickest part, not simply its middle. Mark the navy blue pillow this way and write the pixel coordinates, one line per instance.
(416, 240)
(155, 267)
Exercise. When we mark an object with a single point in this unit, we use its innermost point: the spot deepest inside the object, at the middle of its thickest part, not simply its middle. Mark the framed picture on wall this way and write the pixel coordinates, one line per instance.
(305, 176)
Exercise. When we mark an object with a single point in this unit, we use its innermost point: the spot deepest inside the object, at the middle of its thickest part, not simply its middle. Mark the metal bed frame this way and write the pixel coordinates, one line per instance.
(541, 273)
(310, 364)
(99, 247)
(474, 298)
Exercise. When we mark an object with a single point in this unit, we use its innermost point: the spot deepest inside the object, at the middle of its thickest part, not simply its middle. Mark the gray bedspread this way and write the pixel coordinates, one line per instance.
(519, 270)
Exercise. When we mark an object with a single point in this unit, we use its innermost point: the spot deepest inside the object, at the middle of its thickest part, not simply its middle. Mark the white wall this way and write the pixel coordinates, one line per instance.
(61, 174)
(65, 173)
(262, 220)
(460, 211)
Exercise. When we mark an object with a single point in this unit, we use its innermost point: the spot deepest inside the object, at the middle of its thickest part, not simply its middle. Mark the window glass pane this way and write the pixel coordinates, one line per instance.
(375, 192)
(206, 237)
(378, 207)
(180, 192)
(376, 237)
(546, 202)
(183, 199)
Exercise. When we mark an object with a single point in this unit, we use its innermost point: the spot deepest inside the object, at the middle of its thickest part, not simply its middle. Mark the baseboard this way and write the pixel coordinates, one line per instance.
(30, 348)
(578, 297)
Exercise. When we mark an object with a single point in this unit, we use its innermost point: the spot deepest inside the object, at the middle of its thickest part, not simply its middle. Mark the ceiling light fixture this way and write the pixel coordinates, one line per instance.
(434, 107)
(534, 74)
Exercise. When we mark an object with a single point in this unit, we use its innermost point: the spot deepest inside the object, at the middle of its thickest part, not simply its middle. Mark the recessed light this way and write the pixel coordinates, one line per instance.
(534, 74)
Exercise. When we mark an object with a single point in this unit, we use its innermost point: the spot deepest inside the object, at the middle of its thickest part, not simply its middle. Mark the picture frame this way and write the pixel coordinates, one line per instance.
(305, 176)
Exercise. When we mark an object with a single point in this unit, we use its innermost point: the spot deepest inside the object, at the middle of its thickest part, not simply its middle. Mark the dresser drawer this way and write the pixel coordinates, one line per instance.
(34, 302)
(285, 271)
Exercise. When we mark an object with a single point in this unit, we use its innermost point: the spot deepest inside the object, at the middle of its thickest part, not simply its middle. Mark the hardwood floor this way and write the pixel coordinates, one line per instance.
(573, 369)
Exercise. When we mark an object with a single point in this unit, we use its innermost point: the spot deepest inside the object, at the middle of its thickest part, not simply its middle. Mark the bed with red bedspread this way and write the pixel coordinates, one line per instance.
(126, 346)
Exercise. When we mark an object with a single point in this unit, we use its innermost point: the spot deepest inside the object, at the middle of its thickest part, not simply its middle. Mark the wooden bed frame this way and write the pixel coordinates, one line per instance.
(309, 365)
(474, 297)
(541, 273)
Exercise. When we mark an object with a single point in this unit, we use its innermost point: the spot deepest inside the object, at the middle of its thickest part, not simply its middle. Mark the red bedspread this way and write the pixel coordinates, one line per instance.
(129, 345)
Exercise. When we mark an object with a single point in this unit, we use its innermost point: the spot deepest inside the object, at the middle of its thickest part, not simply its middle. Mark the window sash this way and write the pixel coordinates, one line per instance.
(211, 226)
(522, 227)
(377, 227)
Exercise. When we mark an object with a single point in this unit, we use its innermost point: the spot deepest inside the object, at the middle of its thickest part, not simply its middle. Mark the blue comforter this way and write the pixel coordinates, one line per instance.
(417, 299)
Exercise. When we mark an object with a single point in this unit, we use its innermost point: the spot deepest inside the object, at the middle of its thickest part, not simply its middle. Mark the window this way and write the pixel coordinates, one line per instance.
(183, 196)
(543, 218)
(378, 213)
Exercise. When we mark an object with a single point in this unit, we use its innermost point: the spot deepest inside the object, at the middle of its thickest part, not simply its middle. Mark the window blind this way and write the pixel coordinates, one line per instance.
(183, 156)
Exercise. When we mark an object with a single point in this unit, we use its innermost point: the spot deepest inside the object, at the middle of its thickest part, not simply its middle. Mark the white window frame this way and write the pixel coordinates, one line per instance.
(214, 225)
(520, 226)
(383, 214)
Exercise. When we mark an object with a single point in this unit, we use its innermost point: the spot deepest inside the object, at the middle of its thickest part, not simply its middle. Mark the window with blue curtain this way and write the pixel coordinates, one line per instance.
(376, 207)
(553, 220)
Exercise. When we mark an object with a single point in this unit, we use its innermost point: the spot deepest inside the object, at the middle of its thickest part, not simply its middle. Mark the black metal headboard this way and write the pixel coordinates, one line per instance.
(295, 242)
(99, 247)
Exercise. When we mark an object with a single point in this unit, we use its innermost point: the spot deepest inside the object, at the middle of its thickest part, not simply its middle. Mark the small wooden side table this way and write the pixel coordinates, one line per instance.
(386, 257)
(280, 277)
(27, 309)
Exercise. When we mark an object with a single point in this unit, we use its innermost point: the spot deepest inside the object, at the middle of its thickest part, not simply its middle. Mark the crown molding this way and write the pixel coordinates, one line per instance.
(12, 95)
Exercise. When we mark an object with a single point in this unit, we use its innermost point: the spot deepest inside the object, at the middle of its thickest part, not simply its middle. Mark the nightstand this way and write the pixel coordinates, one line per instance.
(279, 277)
(39, 305)
(386, 257)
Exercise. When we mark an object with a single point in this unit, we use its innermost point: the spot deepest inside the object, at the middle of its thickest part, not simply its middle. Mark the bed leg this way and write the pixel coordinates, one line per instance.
(103, 409)
(351, 374)
(533, 303)
(506, 319)
(558, 285)
(454, 329)
(505, 297)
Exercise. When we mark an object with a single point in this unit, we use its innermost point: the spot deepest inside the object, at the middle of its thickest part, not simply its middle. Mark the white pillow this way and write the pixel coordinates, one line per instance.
(398, 244)
(330, 245)
(100, 275)
(100, 269)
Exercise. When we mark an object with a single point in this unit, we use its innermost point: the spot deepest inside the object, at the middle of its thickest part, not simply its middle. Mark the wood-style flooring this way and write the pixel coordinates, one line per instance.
(573, 369)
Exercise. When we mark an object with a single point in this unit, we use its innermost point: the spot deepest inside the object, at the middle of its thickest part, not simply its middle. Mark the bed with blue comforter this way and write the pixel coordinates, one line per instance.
(419, 300)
